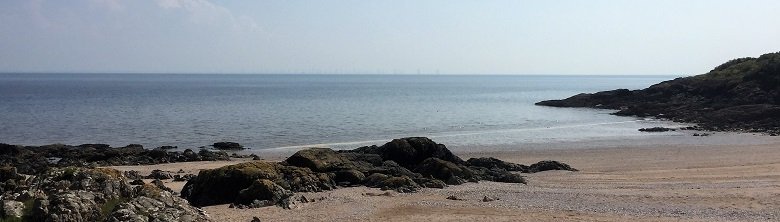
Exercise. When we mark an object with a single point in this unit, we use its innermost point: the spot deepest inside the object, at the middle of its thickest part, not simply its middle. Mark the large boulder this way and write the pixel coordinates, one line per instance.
(319, 159)
(408, 152)
(222, 185)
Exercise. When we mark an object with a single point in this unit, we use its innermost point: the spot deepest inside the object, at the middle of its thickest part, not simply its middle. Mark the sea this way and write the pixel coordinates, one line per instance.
(296, 111)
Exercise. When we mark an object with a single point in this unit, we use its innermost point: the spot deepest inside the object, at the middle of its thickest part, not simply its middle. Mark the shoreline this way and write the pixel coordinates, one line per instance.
(643, 182)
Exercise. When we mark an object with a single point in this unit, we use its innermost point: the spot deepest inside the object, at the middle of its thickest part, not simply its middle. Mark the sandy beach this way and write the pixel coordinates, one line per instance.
(669, 180)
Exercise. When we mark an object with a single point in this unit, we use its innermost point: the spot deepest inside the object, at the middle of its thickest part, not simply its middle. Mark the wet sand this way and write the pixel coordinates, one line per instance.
(717, 179)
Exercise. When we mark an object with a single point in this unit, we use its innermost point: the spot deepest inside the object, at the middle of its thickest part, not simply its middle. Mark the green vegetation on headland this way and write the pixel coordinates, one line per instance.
(739, 95)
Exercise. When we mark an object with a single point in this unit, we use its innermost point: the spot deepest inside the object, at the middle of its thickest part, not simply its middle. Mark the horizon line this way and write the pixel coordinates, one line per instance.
(356, 74)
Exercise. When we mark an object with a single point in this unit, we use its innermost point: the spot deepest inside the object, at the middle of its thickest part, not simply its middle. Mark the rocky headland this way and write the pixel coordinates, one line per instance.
(739, 95)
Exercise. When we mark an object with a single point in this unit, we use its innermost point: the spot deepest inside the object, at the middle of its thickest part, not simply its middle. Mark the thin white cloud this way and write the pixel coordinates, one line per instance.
(204, 12)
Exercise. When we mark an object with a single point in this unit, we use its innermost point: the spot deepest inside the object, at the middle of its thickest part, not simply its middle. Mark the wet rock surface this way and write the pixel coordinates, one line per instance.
(402, 165)
(739, 95)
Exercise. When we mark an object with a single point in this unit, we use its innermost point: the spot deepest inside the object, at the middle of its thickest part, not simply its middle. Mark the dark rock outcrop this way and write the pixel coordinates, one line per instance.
(37, 159)
(656, 129)
(223, 185)
(408, 152)
(446, 171)
(227, 146)
(319, 159)
(493, 163)
(546, 165)
(425, 164)
(160, 175)
(739, 95)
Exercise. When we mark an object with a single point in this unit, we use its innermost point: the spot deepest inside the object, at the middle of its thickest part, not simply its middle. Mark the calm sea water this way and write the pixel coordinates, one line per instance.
(278, 111)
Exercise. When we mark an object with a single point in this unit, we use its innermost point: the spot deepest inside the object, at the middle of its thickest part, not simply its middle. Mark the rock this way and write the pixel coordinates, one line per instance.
(153, 204)
(186, 177)
(258, 183)
(160, 185)
(255, 157)
(430, 183)
(319, 160)
(207, 155)
(167, 148)
(656, 129)
(488, 199)
(9, 173)
(12, 208)
(392, 168)
(72, 206)
(549, 165)
(383, 194)
(137, 182)
(227, 146)
(133, 175)
(400, 184)
(375, 180)
(446, 171)
(95, 146)
(497, 175)
(349, 177)
(453, 197)
(303, 199)
(222, 185)
(160, 175)
(739, 95)
(36, 159)
(490, 162)
(408, 152)
(109, 183)
(189, 155)
(263, 189)
(255, 219)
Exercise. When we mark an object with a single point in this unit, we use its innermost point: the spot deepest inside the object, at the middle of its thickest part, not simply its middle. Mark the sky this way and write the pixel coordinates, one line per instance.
(609, 37)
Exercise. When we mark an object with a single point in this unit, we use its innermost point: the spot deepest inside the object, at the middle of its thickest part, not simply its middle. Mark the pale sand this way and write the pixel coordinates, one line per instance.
(628, 182)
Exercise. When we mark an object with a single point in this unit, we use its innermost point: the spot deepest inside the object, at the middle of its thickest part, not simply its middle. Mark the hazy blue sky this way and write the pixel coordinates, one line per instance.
(392, 36)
